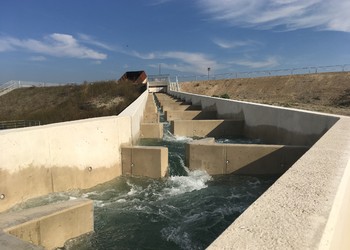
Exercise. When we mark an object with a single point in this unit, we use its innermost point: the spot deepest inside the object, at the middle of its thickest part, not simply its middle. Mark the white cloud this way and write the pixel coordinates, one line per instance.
(37, 58)
(198, 60)
(268, 63)
(158, 2)
(98, 62)
(5, 45)
(285, 14)
(225, 44)
(183, 61)
(148, 56)
(90, 40)
(59, 45)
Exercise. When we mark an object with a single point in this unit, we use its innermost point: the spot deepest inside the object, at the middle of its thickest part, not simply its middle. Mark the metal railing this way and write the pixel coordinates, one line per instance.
(18, 124)
(11, 85)
(263, 73)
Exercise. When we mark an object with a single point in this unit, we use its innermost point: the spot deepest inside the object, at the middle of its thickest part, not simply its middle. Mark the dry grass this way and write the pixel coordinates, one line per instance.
(70, 102)
(324, 92)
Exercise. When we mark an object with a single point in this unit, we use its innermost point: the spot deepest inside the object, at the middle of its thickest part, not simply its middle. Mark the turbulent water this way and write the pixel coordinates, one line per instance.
(181, 212)
(187, 210)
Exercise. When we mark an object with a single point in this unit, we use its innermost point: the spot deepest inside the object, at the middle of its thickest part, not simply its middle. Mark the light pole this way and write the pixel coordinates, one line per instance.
(208, 72)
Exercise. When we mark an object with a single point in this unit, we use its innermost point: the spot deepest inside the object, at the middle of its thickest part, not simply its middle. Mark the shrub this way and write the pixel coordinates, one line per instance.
(225, 96)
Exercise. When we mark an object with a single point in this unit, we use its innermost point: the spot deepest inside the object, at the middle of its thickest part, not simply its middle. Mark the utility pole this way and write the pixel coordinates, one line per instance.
(208, 73)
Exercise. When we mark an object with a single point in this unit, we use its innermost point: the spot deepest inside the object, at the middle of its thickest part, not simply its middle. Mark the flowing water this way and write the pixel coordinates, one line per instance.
(187, 210)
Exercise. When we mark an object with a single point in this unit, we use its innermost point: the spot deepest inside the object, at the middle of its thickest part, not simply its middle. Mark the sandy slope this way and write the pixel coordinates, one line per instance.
(325, 92)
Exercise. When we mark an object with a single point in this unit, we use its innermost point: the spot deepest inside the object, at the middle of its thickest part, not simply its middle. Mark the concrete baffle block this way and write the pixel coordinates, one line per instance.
(251, 159)
(204, 128)
(151, 117)
(151, 130)
(145, 161)
(179, 107)
(48, 226)
(171, 115)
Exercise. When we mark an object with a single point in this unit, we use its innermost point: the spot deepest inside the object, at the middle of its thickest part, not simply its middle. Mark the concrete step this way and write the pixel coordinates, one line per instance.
(207, 128)
(151, 118)
(151, 130)
(171, 115)
(177, 107)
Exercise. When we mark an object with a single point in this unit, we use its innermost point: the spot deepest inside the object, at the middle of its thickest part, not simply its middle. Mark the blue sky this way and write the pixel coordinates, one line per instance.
(74, 41)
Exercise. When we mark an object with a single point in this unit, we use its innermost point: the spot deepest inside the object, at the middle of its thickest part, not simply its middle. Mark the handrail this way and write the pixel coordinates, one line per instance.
(18, 124)
(11, 85)
(264, 73)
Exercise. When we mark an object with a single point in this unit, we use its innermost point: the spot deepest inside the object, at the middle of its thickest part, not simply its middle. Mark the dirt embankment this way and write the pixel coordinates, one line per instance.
(69, 102)
(324, 92)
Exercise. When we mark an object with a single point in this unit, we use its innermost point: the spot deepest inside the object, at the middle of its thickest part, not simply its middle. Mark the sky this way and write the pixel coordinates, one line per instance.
(63, 41)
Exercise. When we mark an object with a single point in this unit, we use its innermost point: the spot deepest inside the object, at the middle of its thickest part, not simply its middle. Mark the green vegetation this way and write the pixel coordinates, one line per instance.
(225, 96)
(69, 102)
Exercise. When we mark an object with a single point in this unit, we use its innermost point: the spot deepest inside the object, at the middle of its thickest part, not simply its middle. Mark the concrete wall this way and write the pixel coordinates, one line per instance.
(338, 224)
(250, 159)
(274, 125)
(80, 154)
(306, 208)
(135, 111)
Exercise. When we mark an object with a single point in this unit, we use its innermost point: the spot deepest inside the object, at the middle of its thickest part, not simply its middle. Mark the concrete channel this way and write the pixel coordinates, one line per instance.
(217, 158)
(306, 208)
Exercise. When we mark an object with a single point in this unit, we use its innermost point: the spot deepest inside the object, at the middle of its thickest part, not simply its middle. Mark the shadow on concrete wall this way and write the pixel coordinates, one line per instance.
(275, 163)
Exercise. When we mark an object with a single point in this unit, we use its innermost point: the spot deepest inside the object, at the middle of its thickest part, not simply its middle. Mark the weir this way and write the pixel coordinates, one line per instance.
(190, 208)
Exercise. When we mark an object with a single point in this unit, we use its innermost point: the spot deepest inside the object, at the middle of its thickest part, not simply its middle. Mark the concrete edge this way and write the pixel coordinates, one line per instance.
(339, 218)
(25, 222)
(263, 105)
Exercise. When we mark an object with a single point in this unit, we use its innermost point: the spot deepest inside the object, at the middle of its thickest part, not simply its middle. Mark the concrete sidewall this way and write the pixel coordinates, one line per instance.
(274, 125)
(70, 155)
(307, 207)
(135, 111)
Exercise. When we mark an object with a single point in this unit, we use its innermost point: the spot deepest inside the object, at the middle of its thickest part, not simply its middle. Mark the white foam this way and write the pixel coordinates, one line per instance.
(178, 236)
(196, 180)
(134, 188)
(168, 136)
(121, 200)
(183, 138)
(98, 203)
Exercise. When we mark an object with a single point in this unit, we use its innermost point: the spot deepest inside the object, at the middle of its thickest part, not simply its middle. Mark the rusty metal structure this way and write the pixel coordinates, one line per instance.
(134, 76)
